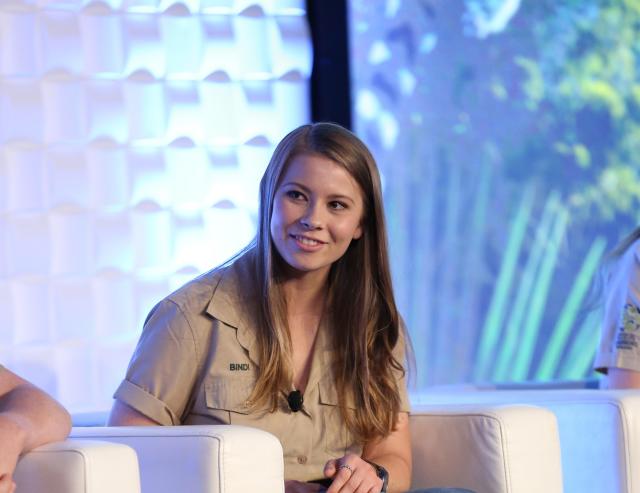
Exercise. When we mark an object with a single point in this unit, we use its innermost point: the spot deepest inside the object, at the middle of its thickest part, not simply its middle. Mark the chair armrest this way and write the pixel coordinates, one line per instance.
(201, 458)
(598, 432)
(76, 466)
(486, 448)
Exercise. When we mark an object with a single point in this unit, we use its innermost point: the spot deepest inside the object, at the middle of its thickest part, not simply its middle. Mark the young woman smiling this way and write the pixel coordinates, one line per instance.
(299, 334)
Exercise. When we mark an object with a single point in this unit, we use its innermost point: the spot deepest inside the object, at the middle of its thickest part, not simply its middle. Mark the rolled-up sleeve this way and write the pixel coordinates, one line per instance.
(164, 366)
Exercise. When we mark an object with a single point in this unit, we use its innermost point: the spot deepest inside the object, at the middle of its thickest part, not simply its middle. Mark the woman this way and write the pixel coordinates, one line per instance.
(299, 335)
(618, 355)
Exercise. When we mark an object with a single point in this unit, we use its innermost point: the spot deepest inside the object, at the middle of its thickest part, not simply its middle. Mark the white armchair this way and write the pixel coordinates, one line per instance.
(488, 449)
(76, 466)
(599, 431)
(200, 459)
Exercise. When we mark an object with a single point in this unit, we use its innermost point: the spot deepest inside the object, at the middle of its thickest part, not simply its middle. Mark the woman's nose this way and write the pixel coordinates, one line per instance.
(311, 219)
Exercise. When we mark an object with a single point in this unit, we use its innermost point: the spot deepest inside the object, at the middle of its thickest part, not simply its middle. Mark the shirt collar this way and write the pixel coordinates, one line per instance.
(234, 303)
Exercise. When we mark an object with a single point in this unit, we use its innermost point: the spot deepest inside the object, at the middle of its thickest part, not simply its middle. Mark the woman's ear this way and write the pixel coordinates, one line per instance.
(358, 232)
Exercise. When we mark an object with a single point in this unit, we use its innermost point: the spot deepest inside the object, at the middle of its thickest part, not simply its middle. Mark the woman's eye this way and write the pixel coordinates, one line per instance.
(295, 195)
(337, 205)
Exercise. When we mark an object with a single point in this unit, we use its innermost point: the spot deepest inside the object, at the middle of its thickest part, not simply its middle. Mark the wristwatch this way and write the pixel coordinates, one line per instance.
(382, 473)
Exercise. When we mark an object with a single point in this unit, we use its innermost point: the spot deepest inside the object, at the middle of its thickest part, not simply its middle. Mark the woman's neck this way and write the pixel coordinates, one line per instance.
(305, 295)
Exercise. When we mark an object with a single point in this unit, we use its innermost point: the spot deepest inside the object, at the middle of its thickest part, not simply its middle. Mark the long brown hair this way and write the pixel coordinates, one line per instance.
(361, 308)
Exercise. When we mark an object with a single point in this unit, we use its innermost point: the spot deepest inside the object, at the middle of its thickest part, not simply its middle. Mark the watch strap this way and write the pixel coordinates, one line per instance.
(382, 473)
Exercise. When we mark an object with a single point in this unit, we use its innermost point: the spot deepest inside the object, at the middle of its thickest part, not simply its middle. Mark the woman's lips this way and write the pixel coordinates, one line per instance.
(306, 243)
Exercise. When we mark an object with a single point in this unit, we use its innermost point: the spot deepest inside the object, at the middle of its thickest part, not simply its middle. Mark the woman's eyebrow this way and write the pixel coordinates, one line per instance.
(335, 196)
(346, 198)
(296, 184)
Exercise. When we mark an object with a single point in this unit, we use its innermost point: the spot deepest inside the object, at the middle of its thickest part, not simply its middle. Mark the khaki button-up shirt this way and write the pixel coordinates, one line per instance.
(196, 363)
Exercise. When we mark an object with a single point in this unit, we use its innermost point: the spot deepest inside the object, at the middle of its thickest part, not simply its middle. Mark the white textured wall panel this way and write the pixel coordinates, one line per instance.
(3, 259)
(250, 159)
(23, 98)
(27, 241)
(287, 40)
(146, 106)
(18, 43)
(114, 307)
(102, 41)
(251, 32)
(220, 99)
(225, 220)
(190, 244)
(30, 310)
(182, 39)
(71, 310)
(6, 309)
(143, 45)
(75, 365)
(71, 238)
(133, 134)
(287, 91)
(109, 175)
(219, 45)
(23, 177)
(148, 175)
(183, 110)
(113, 241)
(189, 191)
(148, 290)
(152, 237)
(106, 110)
(37, 362)
(66, 176)
(65, 107)
(59, 47)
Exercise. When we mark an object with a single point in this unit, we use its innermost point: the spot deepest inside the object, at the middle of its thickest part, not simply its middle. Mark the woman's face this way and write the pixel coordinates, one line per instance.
(317, 211)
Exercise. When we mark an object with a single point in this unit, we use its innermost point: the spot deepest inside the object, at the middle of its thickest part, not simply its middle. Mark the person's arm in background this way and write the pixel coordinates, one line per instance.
(28, 418)
(618, 354)
(617, 378)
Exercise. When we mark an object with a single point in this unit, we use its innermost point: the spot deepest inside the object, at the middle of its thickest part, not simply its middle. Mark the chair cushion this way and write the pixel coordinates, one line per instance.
(75, 466)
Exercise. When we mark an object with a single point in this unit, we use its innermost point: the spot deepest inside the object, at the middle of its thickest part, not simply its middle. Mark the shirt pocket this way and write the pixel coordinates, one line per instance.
(227, 398)
(338, 439)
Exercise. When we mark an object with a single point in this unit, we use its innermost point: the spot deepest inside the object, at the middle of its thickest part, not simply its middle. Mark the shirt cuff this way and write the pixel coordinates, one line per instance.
(604, 362)
(145, 403)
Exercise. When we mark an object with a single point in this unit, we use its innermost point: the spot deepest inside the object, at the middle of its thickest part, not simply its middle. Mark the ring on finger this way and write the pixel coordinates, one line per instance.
(346, 466)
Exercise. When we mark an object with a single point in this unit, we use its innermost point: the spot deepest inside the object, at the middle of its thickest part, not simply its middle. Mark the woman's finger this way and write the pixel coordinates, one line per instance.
(330, 468)
(362, 481)
(341, 478)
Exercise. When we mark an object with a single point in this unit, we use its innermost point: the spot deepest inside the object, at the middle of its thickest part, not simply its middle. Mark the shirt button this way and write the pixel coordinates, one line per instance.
(302, 459)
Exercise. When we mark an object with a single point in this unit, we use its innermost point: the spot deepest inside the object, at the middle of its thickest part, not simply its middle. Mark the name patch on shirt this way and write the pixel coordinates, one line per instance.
(629, 328)
(630, 318)
(239, 366)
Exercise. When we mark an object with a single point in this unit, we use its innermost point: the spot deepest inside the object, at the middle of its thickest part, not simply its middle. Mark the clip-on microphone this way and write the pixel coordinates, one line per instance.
(295, 400)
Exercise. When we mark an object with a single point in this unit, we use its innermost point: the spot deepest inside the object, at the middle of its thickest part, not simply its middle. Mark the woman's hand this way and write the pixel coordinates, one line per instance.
(300, 487)
(352, 474)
